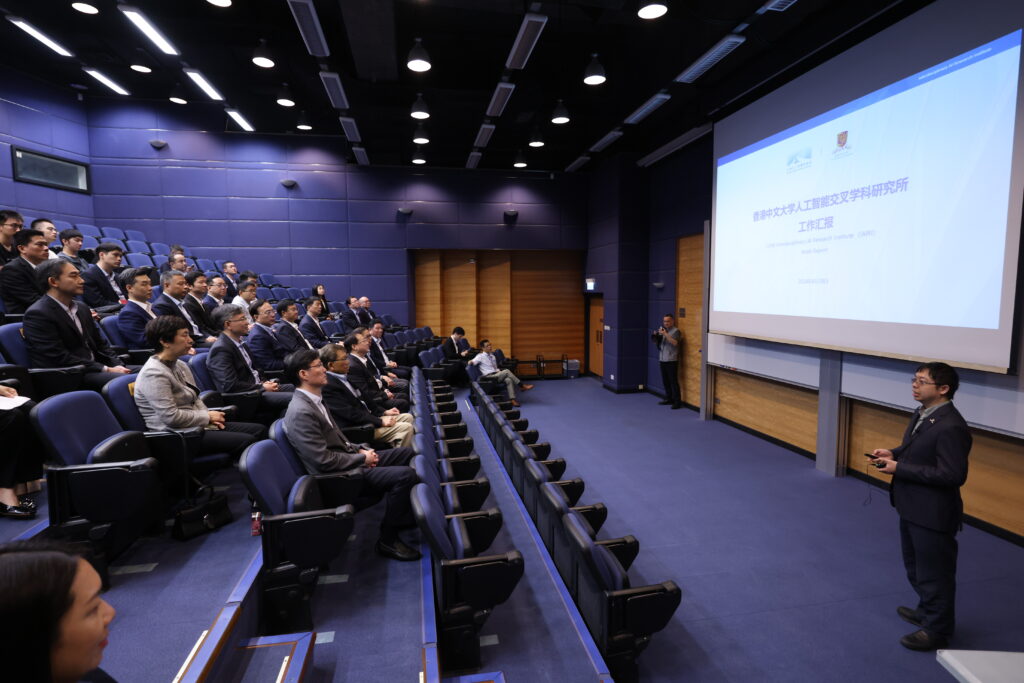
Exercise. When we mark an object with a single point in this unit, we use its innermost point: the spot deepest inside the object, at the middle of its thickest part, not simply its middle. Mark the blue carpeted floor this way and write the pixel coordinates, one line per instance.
(787, 574)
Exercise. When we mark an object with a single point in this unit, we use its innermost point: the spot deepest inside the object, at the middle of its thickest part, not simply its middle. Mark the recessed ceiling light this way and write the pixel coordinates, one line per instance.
(141, 69)
(261, 57)
(418, 60)
(220, 3)
(652, 9)
(84, 8)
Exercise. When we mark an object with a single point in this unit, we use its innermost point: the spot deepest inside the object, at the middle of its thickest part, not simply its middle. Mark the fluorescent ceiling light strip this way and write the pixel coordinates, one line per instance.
(483, 136)
(575, 166)
(674, 145)
(40, 36)
(304, 12)
(526, 40)
(105, 81)
(473, 160)
(360, 155)
(606, 140)
(240, 120)
(713, 56)
(645, 109)
(143, 24)
(348, 124)
(203, 84)
(776, 6)
(500, 98)
(335, 90)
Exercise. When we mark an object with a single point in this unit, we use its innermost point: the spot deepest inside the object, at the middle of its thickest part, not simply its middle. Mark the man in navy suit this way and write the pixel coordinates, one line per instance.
(352, 316)
(231, 280)
(266, 350)
(60, 332)
(172, 302)
(216, 290)
(231, 368)
(197, 291)
(19, 284)
(287, 331)
(102, 292)
(310, 326)
(135, 314)
(364, 377)
(927, 470)
(380, 357)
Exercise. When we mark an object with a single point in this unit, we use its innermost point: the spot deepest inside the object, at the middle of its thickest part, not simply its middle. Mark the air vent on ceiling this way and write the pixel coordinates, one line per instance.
(335, 90)
(473, 160)
(526, 40)
(483, 136)
(644, 110)
(576, 165)
(500, 98)
(348, 124)
(710, 58)
(308, 22)
(606, 140)
(360, 155)
(777, 6)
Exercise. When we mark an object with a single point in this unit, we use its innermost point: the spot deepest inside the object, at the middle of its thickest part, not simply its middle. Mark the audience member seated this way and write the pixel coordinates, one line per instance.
(172, 302)
(246, 295)
(352, 316)
(249, 276)
(10, 223)
(287, 331)
(310, 324)
(455, 351)
(49, 230)
(137, 312)
(380, 356)
(266, 350)
(385, 379)
(489, 370)
(320, 292)
(197, 292)
(168, 398)
(349, 409)
(323, 448)
(60, 333)
(368, 315)
(71, 249)
(20, 466)
(57, 623)
(362, 375)
(18, 283)
(102, 292)
(231, 368)
(177, 262)
(216, 294)
(230, 271)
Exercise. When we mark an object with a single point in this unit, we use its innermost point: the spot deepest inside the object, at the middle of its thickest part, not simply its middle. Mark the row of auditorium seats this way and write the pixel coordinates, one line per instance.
(621, 618)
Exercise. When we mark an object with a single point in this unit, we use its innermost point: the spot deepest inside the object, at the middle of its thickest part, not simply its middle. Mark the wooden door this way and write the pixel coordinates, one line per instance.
(690, 301)
(595, 335)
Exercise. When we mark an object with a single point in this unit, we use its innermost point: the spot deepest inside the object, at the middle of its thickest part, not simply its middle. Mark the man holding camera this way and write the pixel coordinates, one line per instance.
(669, 339)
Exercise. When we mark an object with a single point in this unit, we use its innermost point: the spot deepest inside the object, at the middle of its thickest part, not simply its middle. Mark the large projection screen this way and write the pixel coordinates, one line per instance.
(873, 205)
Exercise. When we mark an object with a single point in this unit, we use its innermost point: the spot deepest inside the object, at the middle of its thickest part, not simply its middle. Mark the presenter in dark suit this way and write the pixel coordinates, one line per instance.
(323, 449)
(18, 282)
(266, 350)
(310, 325)
(60, 332)
(287, 331)
(137, 313)
(927, 470)
(102, 292)
(231, 368)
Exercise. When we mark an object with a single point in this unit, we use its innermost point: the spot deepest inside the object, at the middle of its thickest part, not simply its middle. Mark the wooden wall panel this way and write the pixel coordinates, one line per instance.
(547, 304)
(427, 278)
(782, 411)
(690, 296)
(458, 297)
(494, 299)
(994, 491)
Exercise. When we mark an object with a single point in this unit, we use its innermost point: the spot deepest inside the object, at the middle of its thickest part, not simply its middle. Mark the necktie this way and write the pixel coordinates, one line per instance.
(184, 312)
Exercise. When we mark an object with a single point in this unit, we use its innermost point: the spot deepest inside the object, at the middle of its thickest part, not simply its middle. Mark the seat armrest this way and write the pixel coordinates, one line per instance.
(138, 356)
(247, 402)
(462, 468)
(481, 582)
(595, 515)
(102, 493)
(556, 467)
(307, 539)
(121, 447)
(455, 448)
(482, 526)
(647, 609)
(472, 493)
(573, 489)
(359, 433)
(625, 549)
(53, 381)
(541, 449)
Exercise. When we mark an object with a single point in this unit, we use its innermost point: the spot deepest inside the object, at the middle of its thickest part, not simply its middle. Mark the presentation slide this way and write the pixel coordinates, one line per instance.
(892, 208)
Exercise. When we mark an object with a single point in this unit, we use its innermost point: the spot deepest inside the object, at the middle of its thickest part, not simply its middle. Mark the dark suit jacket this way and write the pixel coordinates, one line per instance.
(132, 322)
(378, 357)
(319, 444)
(228, 369)
(363, 378)
(349, 320)
(290, 338)
(54, 341)
(200, 315)
(348, 409)
(450, 351)
(232, 290)
(932, 466)
(267, 352)
(165, 305)
(98, 291)
(313, 333)
(209, 303)
(18, 285)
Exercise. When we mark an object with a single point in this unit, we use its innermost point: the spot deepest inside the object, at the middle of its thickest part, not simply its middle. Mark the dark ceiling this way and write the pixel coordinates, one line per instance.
(468, 42)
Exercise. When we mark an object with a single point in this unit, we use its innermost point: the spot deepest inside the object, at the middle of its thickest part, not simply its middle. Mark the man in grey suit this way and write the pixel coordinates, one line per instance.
(323, 448)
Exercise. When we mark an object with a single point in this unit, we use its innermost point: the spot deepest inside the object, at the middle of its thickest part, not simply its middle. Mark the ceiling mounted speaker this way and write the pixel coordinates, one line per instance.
(158, 144)
(511, 214)
(289, 182)
(405, 211)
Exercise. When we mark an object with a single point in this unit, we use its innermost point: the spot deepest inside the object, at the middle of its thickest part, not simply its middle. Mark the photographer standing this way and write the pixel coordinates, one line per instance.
(668, 339)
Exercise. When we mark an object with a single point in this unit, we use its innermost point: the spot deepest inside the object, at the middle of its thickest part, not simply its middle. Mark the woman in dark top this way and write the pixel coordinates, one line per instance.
(320, 292)
(54, 622)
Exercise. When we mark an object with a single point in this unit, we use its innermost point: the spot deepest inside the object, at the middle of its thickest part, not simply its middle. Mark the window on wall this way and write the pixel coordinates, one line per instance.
(50, 171)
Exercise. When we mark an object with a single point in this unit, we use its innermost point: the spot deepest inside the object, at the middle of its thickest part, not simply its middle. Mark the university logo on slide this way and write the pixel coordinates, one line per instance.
(799, 160)
(841, 139)
(842, 148)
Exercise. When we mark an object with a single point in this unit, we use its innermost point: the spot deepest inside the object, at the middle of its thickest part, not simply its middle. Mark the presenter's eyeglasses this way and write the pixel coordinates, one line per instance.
(917, 381)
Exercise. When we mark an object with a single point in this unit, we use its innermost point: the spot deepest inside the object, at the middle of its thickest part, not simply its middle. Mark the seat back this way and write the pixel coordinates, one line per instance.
(201, 372)
(120, 396)
(269, 279)
(206, 264)
(429, 515)
(267, 476)
(89, 242)
(157, 289)
(71, 424)
(279, 435)
(390, 340)
(296, 293)
(264, 293)
(331, 327)
(84, 228)
(159, 248)
(116, 233)
(113, 240)
(13, 344)
(595, 560)
(280, 293)
(112, 331)
(139, 246)
(137, 260)
(159, 259)
(135, 235)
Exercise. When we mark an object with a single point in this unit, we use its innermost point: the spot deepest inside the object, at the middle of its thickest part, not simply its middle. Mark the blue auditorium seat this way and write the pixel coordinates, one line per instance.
(136, 260)
(269, 280)
(205, 264)
(64, 225)
(332, 328)
(220, 264)
(27, 220)
(138, 246)
(279, 294)
(45, 381)
(264, 293)
(137, 235)
(159, 248)
(116, 233)
(159, 259)
(89, 242)
(246, 401)
(84, 228)
(307, 292)
(296, 293)
(157, 290)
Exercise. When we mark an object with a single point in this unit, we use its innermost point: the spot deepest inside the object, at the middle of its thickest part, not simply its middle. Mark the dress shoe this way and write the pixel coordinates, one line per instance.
(664, 403)
(397, 550)
(515, 403)
(26, 502)
(909, 615)
(677, 406)
(16, 511)
(525, 387)
(922, 641)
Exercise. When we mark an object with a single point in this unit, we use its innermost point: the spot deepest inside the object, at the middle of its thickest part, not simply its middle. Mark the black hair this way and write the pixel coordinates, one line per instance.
(282, 306)
(349, 300)
(350, 342)
(8, 213)
(23, 237)
(459, 330)
(222, 314)
(246, 286)
(41, 220)
(164, 328)
(254, 307)
(377, 321)
(296, 361)
(193, 275)
(177, 249)
(108, 246)
(317, 286)
(69, 234)
(312, 300)
(483, 342)
(128, 276)
(35, 593)
(52, 268)
(248, 275)
(943, 375)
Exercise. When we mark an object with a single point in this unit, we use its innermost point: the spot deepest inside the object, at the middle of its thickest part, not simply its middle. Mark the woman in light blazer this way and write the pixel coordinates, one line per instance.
(168, 398)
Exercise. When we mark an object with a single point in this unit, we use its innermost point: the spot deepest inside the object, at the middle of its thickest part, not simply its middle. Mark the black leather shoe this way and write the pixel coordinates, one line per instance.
(27, 503)
(664, 403)
(16, 511)
(397, 550)
(909, 615)
(922, 641)
(677, 406)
